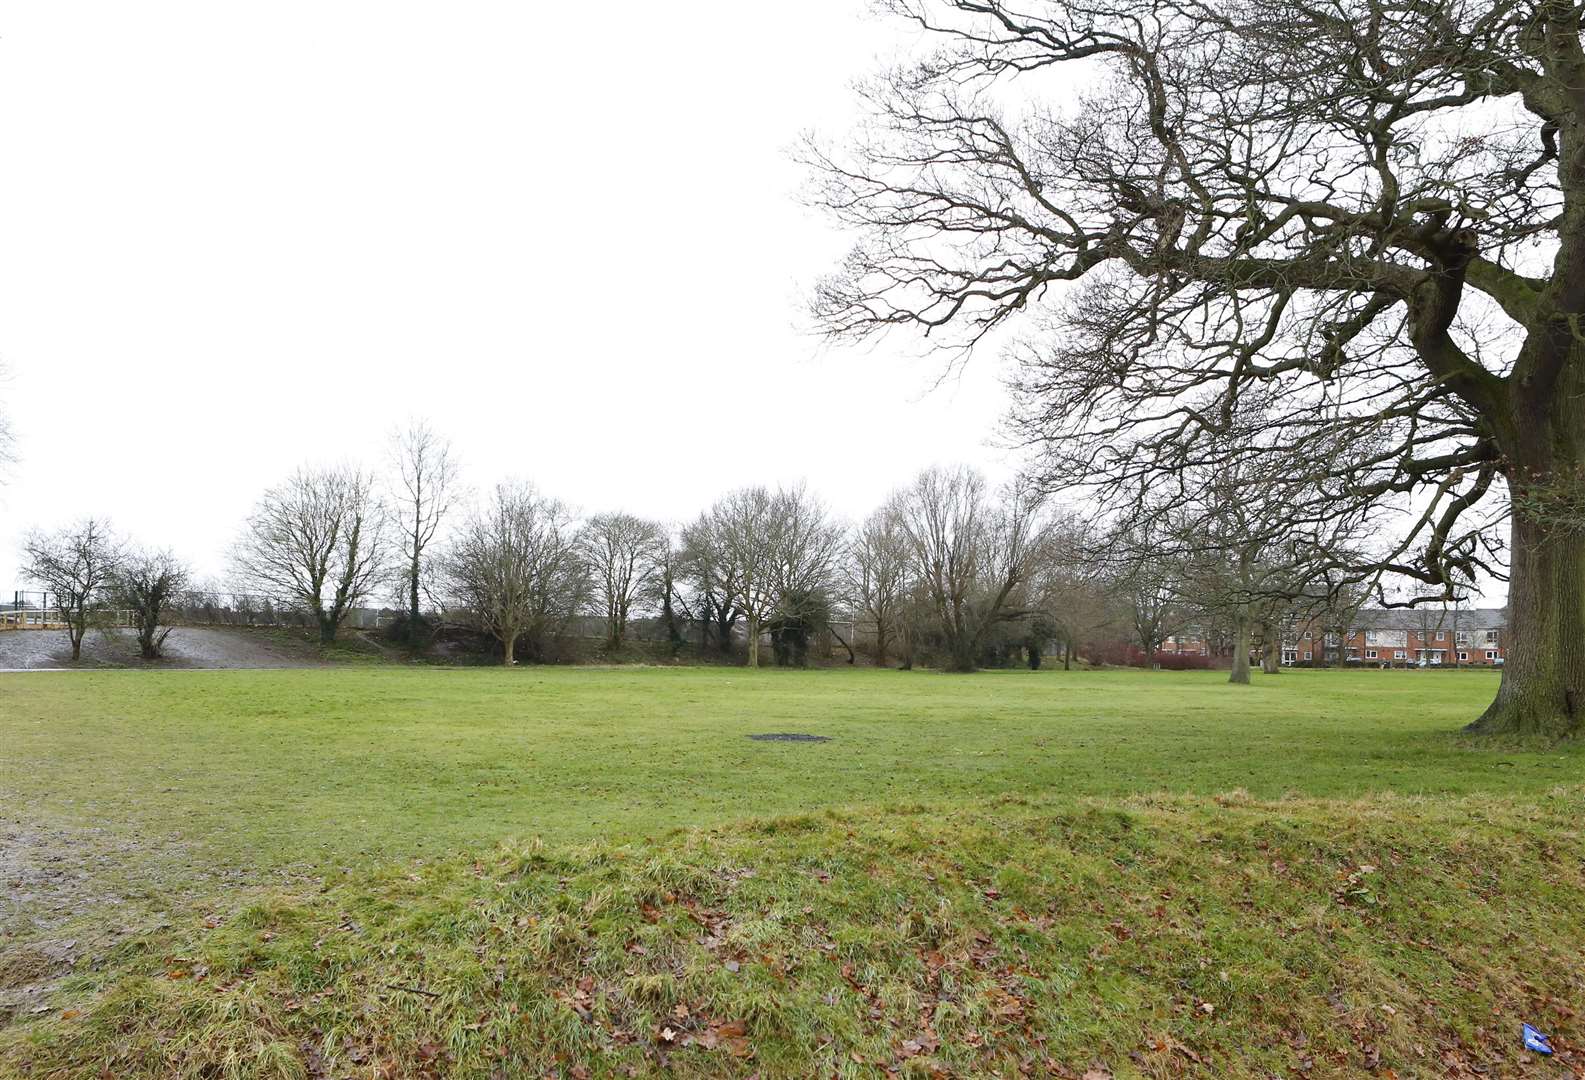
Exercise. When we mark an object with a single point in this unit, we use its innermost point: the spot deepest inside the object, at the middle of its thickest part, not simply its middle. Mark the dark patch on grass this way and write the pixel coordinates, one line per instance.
(789, 736)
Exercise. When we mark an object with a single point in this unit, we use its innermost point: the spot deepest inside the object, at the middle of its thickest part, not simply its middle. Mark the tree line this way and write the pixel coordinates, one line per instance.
(950, 571)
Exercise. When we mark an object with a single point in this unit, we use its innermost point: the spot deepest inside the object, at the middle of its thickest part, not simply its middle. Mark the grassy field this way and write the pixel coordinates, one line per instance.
(391, 871)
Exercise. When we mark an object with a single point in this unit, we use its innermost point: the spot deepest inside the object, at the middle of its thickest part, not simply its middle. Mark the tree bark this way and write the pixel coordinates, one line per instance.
(753, 641)
(412, 595)
(1240, 672)
(1543, 677)
(508, 647)
(1542, 693)
(1269, 646)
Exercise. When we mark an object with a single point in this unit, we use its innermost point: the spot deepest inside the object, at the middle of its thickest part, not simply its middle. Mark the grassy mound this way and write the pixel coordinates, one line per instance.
(1129, 937)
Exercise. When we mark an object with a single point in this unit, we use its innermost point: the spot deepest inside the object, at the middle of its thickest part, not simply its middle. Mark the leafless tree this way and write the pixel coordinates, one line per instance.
(667, 591)
(975, 555)
(806, 552)
(75, 565)
(426, 488)
(708, 565)
(317, 543)
(877, 576)
(150, 584)
(624, 554)
(1375, 208)
(1072, 587)
(741, 530)
(515, 569)
(1147, 579)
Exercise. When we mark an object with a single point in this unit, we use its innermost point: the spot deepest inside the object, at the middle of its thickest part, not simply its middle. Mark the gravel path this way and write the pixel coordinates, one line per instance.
(187, 647)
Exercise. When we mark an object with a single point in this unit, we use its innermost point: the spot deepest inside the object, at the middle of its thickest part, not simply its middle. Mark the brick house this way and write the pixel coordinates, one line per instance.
(1432, 637)
(1189, 643)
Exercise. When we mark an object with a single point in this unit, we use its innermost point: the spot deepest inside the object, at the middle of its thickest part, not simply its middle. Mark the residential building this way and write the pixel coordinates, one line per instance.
(1402, 637)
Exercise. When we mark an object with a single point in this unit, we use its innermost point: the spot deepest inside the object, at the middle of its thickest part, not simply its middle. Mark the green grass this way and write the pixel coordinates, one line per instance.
(263, 767)
(1154, 872)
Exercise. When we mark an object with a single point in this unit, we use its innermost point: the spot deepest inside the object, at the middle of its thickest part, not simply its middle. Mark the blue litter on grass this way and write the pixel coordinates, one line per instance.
(1534, 1040)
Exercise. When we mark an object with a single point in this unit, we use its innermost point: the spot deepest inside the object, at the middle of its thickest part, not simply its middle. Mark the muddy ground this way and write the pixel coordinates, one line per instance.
(187, 647)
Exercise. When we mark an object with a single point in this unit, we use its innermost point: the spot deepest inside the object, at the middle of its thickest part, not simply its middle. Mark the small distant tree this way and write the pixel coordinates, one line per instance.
(1072, 588)
(707, 564)
(150, 584)
(515, 568)
(316, 542)
(426, 489)
(1146, 578)
(806, 553)
(668, 596)
(877, 576)
(975, 554)
(75, 565)
(741, 525)
(624, 554)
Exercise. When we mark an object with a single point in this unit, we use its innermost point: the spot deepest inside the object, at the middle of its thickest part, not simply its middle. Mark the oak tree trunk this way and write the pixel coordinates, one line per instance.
(1543, 676)
(1268, 650)
(1241, 643)
(1542, 693)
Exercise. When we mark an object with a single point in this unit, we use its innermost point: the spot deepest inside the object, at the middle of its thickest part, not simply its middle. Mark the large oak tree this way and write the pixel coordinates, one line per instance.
(1371, 212)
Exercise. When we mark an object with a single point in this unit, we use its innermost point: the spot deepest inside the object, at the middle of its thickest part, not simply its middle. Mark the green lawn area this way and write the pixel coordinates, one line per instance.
(271, 766)
(420, 871)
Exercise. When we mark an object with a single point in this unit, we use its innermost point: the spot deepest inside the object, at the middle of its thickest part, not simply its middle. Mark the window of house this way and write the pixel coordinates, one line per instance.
(1462, 655)
(1289, 656)
(1491, 637)
(1441, 635)
(1491, 654)
(1397, 654)
(1370, 654)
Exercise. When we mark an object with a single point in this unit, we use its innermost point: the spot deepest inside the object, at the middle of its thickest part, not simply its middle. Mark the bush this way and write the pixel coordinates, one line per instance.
(1123, 654)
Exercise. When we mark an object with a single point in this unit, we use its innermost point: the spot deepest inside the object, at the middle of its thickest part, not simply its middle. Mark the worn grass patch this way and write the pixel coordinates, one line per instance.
(1146, 936)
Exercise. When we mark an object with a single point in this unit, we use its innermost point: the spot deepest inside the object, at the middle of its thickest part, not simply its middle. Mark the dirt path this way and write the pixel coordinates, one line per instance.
(187, 647)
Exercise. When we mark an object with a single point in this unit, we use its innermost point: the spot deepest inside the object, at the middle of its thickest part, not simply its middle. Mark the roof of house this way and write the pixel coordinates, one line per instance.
(1431, 618)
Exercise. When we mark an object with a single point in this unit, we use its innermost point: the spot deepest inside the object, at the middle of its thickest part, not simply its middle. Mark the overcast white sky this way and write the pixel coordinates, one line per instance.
(234, 238)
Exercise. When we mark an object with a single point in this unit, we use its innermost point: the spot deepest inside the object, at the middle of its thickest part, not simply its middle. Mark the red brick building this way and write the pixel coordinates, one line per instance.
(1429, 637)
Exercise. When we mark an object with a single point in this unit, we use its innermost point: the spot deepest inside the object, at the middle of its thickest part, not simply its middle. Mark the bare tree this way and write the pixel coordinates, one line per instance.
(741, 532)
(666, 592)
(877, 576)
(974, 554)
(1147, 578)
(624, 554)
(515, 568)
(75, 565)
(426, 489)
(150, 584)
(1375, 208)
(1072, 586)
(707, 563)
(316, 543)
(806, 551)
